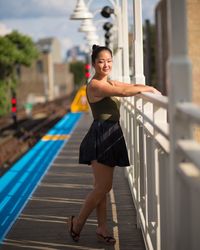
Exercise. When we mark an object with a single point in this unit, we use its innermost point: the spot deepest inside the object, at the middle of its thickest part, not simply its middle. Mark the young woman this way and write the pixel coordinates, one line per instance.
(104, 146)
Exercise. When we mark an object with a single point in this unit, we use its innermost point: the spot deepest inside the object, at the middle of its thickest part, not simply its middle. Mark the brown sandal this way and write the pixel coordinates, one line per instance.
(109, 240)
(75, 236)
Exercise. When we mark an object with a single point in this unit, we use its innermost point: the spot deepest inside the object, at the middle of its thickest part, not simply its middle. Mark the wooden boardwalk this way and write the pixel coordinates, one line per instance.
(42, 223)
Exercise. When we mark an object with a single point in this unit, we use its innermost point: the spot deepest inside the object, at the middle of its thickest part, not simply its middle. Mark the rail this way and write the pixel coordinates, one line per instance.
(15, 141)
(155, 186)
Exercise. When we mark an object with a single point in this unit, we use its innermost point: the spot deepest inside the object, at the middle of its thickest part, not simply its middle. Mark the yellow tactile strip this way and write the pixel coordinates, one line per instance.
(55, 137)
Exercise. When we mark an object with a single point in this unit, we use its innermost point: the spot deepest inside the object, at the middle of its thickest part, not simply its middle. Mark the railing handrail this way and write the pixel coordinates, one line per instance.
(145, 122)
(191, 150)
(158, 100)
(189, 111)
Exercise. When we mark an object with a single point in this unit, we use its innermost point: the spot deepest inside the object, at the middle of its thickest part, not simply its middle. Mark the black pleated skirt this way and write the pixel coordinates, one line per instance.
(105, 143)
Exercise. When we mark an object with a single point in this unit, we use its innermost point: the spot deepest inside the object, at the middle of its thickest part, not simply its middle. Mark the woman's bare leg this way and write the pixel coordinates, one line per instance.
(103, 176)
(101, 211)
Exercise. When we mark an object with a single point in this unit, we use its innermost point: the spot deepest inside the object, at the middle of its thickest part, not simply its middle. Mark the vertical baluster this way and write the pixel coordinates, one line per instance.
(138, 43)
(179, 82)
(137, 104)
(151, 189)
(163, 158)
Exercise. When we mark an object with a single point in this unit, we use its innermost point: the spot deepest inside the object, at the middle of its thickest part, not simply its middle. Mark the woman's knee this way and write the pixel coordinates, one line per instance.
(103, 189)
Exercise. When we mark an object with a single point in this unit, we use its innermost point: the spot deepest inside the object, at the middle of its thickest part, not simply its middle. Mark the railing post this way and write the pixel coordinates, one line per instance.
(119, 46)
(179, 88)
(138, 68)
(126, 73)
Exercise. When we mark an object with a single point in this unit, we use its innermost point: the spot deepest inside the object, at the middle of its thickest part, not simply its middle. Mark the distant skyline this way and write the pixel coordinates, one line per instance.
(51, 18)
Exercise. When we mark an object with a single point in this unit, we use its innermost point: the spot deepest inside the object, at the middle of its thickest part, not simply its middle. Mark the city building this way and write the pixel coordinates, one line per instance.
(48, 78)
(193, 24)
(75, 54)
(162, 52)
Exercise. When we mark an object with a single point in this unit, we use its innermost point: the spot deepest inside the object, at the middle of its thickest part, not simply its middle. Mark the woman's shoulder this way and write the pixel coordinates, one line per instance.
(94, 81)
(95, 84)
(112, 82)
(92, 84)
(98, 83)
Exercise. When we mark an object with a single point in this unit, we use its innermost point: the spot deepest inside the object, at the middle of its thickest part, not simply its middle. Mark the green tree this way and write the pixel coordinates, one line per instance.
(150, 53)
(15, 50)
(78, 70)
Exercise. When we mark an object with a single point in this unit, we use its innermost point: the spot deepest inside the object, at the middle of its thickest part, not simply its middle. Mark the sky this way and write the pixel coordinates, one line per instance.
(51, 18)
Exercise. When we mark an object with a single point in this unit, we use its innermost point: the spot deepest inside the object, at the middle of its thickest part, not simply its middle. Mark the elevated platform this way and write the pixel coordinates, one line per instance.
(60, 193)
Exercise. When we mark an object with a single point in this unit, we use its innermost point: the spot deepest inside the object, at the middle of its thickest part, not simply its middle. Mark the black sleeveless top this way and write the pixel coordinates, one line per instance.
(105, 109)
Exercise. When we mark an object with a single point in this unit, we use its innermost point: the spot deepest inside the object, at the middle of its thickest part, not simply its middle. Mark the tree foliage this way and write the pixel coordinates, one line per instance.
(150, 53)
(78, 70)
(15, 50)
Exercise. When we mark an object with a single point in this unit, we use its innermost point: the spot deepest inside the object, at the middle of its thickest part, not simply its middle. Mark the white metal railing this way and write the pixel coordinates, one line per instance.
(164, 176)
(145, 124)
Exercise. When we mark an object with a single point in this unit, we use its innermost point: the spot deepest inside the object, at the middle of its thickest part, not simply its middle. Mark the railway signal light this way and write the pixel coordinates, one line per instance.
(107, 26)
(14, 104)
(14, 109)
(107, 11)
(87, 71)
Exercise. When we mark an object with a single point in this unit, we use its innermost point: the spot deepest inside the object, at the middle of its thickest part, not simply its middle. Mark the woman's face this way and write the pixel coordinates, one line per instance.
(103, 63)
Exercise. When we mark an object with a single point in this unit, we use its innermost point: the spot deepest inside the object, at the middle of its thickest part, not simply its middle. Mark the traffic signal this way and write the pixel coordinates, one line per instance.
(107, 26)
(107, 11)
(87, 71)
(14, 109)
(14, 104)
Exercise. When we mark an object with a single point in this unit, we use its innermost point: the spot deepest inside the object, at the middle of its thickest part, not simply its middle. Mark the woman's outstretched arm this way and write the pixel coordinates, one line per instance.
(119, 84)
(103, 89)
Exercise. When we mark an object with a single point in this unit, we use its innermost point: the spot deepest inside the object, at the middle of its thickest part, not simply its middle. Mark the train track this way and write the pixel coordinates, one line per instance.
(16, 139)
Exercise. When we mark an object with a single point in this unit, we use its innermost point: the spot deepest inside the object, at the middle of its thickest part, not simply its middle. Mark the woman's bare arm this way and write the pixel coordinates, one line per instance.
(118, 84)
(103, 89)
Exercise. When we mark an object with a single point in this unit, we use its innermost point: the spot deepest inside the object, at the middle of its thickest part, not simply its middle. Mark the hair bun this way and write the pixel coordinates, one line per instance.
(94, 47)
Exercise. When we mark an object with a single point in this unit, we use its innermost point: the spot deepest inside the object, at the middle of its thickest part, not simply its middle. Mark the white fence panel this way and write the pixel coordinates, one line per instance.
(145, 124)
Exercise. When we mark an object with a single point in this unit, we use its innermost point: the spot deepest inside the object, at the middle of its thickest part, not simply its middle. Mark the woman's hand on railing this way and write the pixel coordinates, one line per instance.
(155, 91)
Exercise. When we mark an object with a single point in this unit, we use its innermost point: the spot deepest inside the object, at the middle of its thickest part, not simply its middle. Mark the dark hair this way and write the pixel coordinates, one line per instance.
(96, 49)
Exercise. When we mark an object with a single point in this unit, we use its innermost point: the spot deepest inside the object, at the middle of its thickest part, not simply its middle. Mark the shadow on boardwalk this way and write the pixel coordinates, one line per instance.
(42, 224)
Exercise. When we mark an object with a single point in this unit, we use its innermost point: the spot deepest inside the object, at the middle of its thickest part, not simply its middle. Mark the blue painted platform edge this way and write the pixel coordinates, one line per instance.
(75, 117)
